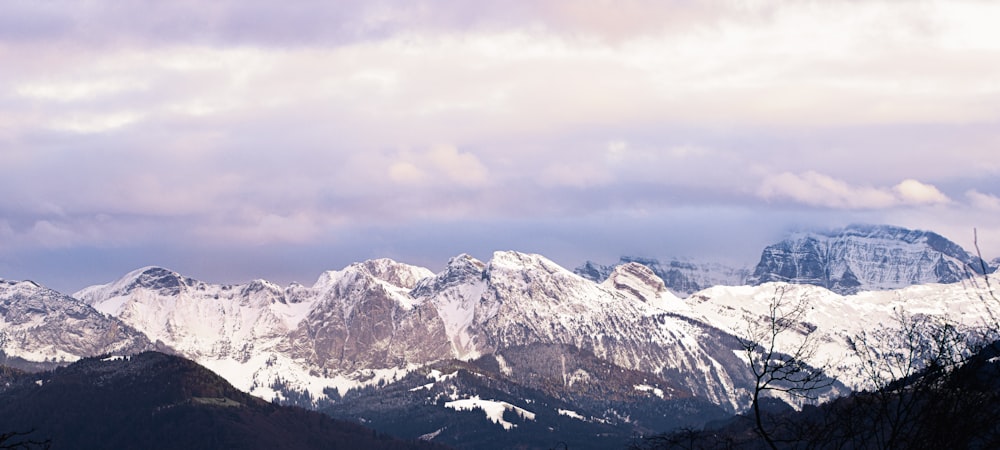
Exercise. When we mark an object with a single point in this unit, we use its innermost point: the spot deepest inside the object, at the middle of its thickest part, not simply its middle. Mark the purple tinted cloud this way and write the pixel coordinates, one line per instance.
(422, 129)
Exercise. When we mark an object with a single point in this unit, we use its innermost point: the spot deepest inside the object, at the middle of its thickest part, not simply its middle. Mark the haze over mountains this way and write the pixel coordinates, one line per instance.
(848, 260)
(511, 349)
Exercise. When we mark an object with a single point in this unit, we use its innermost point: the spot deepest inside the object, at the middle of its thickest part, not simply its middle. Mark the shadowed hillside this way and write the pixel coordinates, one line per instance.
(157, 401)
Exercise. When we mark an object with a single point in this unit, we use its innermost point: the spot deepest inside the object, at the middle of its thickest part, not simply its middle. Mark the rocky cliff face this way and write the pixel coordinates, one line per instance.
(349, 324)
(41, 325)
(864, 257)
(537, 326)
(365, 319)
(520, 299)
(376, 318)
(679, 276)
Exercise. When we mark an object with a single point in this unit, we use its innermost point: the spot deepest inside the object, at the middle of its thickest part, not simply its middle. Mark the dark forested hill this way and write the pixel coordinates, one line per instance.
(158, 401)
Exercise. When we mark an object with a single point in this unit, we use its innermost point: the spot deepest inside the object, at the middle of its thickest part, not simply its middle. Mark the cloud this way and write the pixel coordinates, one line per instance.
(816, 189)
(462, 168)
(575, 174)
(440, 165)
(260, 228)
(246, 122)
(404, 172)
(981, 201)
(913, 192)
(70, 90)
(66, 232)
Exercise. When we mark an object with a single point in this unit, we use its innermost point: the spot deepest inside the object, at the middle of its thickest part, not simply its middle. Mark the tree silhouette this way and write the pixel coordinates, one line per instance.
(777, 367)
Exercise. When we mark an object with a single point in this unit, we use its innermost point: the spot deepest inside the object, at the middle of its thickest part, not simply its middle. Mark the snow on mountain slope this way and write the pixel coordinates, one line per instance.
(38, 324)
(642, 283)
(378, 320)
(455, 293)
(198, 319)
(520, 299)
(353, 326)
(838, 319)
(865, 257)
(849, 260)
(364, 318)
(680, 276)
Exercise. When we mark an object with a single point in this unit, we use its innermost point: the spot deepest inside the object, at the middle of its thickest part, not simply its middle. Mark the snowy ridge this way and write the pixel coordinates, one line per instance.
(374, 322)
(682, 276)
(848, 260)
(494, 410)
(258, 335)
(866, 257)
(41, 325)
(529, 299)
(838, 318)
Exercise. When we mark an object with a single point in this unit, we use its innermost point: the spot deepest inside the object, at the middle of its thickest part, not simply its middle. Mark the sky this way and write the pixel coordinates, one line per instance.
(241, 139)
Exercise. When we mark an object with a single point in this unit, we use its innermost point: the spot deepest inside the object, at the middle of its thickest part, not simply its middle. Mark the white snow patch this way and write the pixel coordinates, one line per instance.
(420, 388)
(504, 367)
(494, 410)
(571, 414)
(436, 375)
(257, 375)
(292, 314)
(647, 388)
(457, 308)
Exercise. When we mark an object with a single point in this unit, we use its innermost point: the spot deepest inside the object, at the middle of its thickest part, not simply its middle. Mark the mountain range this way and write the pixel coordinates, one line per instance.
(847, 261)
(513, 349)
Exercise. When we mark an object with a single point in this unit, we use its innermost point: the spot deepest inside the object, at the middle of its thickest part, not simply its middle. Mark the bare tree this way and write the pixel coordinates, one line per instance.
(983, 289)
(903, 365)
(778, 363)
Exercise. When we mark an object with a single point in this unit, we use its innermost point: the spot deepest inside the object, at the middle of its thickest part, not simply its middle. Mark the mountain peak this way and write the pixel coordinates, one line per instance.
(681, 276)
(514, 260)
(865, 257)
(163, 280)
(39, 324)
(385, 270)
(637, 280)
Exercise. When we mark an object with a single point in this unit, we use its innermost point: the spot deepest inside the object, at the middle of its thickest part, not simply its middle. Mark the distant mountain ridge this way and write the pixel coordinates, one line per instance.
(358, 323)
(372, 323)
(682, 277)
(517, 323)
(40, 327)
(866, 257)
(847, 260)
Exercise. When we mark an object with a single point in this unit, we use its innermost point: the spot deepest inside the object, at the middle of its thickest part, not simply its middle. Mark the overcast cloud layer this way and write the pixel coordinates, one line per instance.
(234, 140)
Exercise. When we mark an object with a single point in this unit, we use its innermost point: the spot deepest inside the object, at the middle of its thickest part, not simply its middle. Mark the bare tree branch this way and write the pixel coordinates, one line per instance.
(781, 368)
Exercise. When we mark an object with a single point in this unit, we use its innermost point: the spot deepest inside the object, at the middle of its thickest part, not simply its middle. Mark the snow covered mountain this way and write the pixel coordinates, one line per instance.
(39, 325)
(377, 320)
(519, 299)
(353, 326)
(523, 334)
(681, 276)
(849, 260)
(866, 257)
(374, 321)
